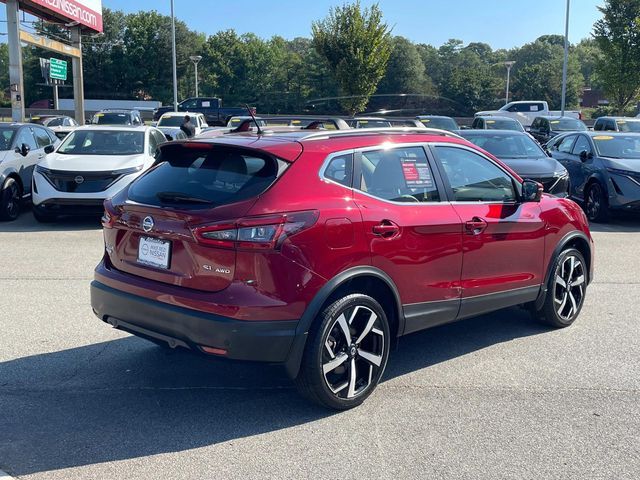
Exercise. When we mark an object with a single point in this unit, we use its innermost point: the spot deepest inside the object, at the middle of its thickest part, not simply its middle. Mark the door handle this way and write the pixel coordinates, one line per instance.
(475, 226)
(386, 229)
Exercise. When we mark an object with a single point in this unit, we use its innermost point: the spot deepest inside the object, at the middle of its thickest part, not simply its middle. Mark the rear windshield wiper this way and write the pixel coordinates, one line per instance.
(177, 197)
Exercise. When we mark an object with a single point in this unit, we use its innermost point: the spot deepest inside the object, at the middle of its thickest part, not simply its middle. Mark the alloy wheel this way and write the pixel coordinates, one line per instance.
(594, 203)
(12, 205)
(569, 287)
(353, 352)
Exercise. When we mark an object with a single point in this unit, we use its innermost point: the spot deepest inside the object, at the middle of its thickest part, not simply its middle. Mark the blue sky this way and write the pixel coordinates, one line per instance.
(500, 23)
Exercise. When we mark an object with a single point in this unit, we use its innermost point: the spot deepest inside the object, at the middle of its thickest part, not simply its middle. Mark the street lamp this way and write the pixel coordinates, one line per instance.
(195, 59)
(566, 60)
(508, 64)
(173, 60)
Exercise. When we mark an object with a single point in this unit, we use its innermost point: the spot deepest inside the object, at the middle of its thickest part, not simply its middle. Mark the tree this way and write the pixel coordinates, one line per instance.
(356, 45)
(405, 70)
(617, 35)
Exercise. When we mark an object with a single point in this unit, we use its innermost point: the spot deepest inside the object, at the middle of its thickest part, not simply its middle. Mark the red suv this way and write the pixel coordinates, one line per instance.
(317, 249)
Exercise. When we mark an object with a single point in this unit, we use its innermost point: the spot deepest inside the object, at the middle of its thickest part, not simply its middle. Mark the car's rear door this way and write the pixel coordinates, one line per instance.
(414, 233)
(503, 239)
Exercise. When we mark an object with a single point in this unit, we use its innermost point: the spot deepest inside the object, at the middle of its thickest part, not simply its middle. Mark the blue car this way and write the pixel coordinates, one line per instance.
(604, 170)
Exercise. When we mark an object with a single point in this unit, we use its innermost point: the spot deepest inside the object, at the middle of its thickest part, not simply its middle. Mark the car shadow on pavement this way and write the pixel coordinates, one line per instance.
(26, 223)
(620, 222)
(128, 398)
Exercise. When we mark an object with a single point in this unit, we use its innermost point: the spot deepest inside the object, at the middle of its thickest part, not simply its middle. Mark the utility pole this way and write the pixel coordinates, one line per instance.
(566, 61)
(78, 80)
(15, 62)
(508, 64)
(195, 59)
(173, 53)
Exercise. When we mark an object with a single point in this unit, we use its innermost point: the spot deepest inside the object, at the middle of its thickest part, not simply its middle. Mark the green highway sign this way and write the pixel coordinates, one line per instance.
(57, 69)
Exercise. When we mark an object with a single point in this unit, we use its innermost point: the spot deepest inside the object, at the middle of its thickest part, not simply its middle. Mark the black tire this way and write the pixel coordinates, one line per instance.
(596, 205)
(10, 200)
(42, 217)
(327, 346)
(566, 289)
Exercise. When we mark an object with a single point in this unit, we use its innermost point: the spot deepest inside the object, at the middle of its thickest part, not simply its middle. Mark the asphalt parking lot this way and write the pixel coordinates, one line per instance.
(498, 396)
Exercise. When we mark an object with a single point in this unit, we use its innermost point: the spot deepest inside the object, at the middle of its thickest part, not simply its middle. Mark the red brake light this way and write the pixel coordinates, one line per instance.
(261, 233)
(109, 216)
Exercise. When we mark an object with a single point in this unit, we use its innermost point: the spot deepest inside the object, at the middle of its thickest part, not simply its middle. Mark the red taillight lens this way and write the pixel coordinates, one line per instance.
(109, 216)
(262, 233)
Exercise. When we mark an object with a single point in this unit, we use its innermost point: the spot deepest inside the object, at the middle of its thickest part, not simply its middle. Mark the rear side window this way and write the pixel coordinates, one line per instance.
(196, 177)
(42, 137)
(398, 175)
(566, 144)
(339, 169)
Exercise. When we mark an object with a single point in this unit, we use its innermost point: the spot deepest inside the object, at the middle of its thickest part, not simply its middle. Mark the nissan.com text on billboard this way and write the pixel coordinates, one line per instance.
(85, 12)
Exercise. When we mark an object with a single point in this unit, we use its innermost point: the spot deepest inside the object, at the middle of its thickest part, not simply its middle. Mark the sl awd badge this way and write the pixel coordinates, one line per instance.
(209, 268)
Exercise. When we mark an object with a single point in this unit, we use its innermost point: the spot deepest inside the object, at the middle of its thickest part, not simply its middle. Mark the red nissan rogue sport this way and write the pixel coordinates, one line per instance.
(317, 249)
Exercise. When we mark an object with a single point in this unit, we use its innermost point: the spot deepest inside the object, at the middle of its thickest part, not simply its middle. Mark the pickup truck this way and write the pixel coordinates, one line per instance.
(526, 111)
(211, 107)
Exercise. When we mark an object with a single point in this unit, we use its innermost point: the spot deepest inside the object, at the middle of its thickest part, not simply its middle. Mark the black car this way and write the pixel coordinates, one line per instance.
(604, 170)
(119, 116)
(524, 156)
(544, 129)
(211, 107)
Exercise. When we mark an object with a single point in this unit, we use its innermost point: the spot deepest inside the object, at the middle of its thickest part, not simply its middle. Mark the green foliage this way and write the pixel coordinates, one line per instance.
(617, 35)
(537, 73)
(356, 45)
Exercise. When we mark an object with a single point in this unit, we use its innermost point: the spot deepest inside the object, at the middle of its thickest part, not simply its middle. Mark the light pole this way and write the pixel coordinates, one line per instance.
(566, 60)
(508, 64)
(195, 59)
(173, 54)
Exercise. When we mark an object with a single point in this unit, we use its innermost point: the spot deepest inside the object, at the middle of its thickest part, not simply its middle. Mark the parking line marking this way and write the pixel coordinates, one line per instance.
(5, 476)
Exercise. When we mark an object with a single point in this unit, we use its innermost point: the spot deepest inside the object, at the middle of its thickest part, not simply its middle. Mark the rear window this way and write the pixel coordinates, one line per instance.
(567, 125)
(112, 119)
(442, 123)
(206, 178)
(500, 124)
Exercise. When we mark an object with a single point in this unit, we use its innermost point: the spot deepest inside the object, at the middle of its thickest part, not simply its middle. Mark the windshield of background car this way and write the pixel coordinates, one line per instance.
(6, 138)
(508, 146)
(372, 124)
(567, 125)
(628, 125)
(170, 121)
(103, 142)
(441, 123)
(112, 119)
(205, 177)
(234, 122)
(503, 125)
(618, 146)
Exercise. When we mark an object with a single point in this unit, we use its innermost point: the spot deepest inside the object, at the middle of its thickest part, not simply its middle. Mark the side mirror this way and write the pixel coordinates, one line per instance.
(584, 155)
(531, 191)
(23, 150)
(49, 149)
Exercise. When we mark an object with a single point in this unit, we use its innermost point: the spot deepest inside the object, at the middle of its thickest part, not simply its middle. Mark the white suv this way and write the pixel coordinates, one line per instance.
(21, 148)
(91, 164)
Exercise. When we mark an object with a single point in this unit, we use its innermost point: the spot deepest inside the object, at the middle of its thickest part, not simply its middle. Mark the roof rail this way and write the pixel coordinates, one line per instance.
(369, 131)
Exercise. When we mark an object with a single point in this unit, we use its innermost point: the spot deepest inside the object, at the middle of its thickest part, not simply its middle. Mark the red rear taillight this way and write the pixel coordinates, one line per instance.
(256, 233)
(109, 216)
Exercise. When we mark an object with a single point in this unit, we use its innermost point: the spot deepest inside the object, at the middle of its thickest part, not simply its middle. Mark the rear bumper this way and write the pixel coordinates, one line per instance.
(265, 341)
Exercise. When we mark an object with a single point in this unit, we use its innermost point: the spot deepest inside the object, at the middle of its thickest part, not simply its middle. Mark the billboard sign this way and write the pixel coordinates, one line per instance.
(87, 13)
(57, 69)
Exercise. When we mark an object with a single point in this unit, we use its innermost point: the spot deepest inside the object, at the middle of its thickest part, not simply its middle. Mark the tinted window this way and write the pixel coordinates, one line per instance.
(6, 138)
(598, 125)
(567, 125)
(628, 125)
(443, 123)
(188, 177)
(566, 144)
(25, 136)
(339, 169)
(112, 119)
(52, 136)
(399, 175)
(42, 138)
(582, 145)
(620, 146)
(535, 123)
(55, 122)
(190, 103)
(103, 142)
(499, 124)
(474, 178)
(476, 123)
(507, 146)
(153, 144)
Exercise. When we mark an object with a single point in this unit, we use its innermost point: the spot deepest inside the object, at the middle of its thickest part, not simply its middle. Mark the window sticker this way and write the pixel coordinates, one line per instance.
(416, 174)
(425, 120)
(603, 137)
(491, 121)
(553, 122)
(620, 122)
(206, 103)
(534, 108)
